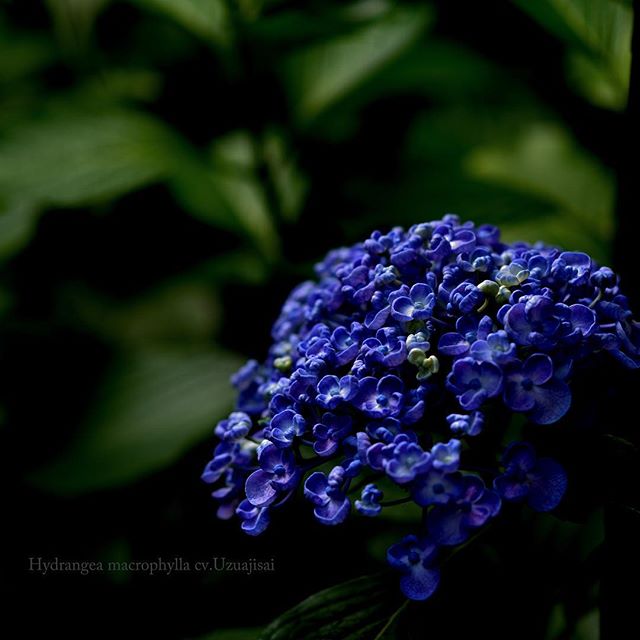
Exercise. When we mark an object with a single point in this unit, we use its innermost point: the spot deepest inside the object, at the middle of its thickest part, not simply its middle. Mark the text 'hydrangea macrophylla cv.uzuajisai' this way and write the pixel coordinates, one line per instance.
(387, 370)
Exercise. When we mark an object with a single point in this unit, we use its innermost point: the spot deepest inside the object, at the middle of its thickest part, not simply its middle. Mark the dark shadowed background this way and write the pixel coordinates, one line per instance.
(169, 169)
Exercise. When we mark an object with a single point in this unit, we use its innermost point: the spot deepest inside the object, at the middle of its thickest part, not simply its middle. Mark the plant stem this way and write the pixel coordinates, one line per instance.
(391, 620)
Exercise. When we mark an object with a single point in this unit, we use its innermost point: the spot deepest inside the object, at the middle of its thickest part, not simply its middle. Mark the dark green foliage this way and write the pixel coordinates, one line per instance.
(169, 169)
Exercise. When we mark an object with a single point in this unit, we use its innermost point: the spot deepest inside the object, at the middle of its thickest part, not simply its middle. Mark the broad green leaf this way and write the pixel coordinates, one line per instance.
(557, 230)
(153, 406)
(208, 19)
(17, 225)
(588, 627)
(76, 159)
(323, 74)
(80, 158)
(21, 55)
(179, 312)
(434, 176)
(444, 71)
(360, 609)
(73, 21)
(545, 162)
(599, 35)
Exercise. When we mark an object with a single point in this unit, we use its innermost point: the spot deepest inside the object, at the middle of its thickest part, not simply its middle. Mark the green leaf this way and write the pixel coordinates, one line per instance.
(17, 225)
(73, 21)
(77, 158)
(208, 19)
(599, 35)
(227, 192)
(242, 266)
(117, 85)
(545, 162)
(22, 55)
(153, 406)
(323, 74)
(179, 312)
(360, 609)
(289, 185)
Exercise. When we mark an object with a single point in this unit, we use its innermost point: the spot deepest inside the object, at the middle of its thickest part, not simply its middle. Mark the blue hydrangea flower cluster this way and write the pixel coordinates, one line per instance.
(383, 373)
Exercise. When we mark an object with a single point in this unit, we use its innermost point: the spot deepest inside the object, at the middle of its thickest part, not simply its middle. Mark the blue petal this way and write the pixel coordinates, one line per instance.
(446, 525)
(260, 492)
(548, 485)
(453, 344)
(315, 488)
(402, 309)
(510, 489)
(420, 583)
(552, 401)
(538, 368)
(516, 397)
(334, 512)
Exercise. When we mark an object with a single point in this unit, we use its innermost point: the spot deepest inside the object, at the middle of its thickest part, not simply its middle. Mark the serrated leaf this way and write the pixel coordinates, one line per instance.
(208, 19)
(599, 35)
(77, 158)
(323, 74)
(360, 609)
(153, 406)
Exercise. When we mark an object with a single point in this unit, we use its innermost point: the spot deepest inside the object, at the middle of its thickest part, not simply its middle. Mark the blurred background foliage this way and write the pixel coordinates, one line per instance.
(170, 168)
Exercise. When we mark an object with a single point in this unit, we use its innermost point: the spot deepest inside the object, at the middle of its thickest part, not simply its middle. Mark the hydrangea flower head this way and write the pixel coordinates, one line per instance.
(389, 369)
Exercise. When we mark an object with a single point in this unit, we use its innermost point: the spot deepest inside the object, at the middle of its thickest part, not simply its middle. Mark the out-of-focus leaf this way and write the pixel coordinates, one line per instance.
(17, 225)
(208, 19)
(74, 19)
(319, 76)
(153, 406)
(178, 312)
(588, 627)
(236, 266)
(228, 192)
(433, 178)
(245, 196)
(599, 33)
(74, 159)
(556, 230)
(122, 84)
(22, 55)
(545, 162)
(289, 184)
(556, 624)
(356, 610)
(441, 70)
(297, 25)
